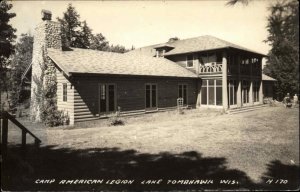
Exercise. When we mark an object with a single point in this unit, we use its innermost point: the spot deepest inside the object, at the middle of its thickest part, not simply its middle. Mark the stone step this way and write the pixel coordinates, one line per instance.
(245, 109)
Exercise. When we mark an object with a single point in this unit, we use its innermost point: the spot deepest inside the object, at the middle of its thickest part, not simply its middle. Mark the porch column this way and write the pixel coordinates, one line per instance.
(260, 94)
(198, 94)
(251, 93)
(239, 94)
(224, 82)
(239, 83)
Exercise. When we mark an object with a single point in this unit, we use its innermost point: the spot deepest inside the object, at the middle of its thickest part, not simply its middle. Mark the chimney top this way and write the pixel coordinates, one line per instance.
(46, 15)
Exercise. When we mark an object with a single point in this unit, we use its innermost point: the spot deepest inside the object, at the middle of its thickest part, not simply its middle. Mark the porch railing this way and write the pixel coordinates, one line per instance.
(5, 116)
(210, 68)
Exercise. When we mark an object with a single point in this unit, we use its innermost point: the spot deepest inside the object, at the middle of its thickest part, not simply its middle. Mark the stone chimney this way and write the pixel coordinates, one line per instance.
(47, 35)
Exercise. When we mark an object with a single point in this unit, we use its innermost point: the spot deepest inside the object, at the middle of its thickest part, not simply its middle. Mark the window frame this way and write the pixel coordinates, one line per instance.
(182, 92)
(107, 97)
(187, 61)
(156, 96)
(65, 92)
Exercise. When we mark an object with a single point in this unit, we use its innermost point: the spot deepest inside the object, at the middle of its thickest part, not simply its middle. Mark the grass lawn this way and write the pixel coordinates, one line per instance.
(248, 142)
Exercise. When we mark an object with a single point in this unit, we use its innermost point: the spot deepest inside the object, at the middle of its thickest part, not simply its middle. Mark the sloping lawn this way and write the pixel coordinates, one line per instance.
(249, 141)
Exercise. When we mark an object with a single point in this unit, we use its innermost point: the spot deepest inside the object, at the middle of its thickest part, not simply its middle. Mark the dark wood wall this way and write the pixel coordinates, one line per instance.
(130, 92)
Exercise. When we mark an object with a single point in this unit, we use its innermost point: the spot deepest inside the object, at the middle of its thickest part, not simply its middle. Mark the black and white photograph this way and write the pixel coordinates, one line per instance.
(149, 95)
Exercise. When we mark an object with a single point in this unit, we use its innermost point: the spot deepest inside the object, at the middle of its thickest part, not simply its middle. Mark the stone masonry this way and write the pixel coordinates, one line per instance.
(47, 35)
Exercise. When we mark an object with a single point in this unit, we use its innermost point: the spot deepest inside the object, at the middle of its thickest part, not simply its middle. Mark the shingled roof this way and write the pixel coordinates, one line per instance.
(99, 62)
(197, 44)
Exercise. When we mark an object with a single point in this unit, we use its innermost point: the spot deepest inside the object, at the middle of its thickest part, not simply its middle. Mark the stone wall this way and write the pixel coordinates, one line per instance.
(47, 35)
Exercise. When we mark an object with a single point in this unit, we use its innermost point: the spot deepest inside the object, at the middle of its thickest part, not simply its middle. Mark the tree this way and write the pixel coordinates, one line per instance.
(70, 28)
(79, 35)
(283, 61)
(117, 49)
(99, 42)
(86, 36)
(20, 60)
(234, 2)
(7, 38)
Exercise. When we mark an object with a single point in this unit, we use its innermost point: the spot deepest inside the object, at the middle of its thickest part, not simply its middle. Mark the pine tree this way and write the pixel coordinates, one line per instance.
(283, 64)
(70, 28)
(7, 37)
(86, 35)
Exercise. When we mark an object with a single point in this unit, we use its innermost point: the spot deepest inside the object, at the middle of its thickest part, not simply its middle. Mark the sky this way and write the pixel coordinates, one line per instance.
(142, 23)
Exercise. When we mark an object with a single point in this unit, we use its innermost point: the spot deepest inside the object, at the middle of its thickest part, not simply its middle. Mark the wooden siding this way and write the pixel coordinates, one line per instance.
(66, 106)
(130, 93)
(181, 60)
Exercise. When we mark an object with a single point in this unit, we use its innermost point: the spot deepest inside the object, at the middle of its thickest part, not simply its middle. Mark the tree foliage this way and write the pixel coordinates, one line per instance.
(234, 2)
(7, 37)
(20, 61)
(78, 34)
(283, 61)
(70, 25)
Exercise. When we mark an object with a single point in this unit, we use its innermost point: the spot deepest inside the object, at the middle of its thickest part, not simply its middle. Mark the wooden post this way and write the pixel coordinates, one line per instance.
(224, 82)
(260, 95)
(239, 94)
(198, 102)
(251, 93)
(23, 138)
(239, 83)
(4, 133)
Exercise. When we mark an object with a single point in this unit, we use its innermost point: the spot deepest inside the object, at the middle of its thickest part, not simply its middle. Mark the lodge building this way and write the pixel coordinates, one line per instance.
(205, 71)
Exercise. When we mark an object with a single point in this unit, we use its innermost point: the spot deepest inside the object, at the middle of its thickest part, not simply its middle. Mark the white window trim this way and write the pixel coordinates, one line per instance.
(63, 84)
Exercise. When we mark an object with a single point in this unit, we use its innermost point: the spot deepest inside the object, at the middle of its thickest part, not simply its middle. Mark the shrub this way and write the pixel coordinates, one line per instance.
(116, 121)
(53, 117)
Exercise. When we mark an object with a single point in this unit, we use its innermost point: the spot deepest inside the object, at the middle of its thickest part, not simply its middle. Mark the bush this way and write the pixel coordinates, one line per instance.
(53, 117)
(116, 122)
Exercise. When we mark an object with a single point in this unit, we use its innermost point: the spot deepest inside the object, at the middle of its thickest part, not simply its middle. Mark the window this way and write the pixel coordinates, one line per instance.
(107, 98)
(211, 92)
(189, 61)
(151, 96)
(245, 91)
(182, 93)
(256, 86)
(232, 92)
(65, 92)
(160, 53)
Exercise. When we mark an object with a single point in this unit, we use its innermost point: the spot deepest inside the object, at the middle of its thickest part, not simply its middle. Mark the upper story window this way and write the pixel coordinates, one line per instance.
(189, 61)
(160, 53)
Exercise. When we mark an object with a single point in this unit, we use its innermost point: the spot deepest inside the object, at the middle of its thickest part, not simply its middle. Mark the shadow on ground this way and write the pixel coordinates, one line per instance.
(22, 169)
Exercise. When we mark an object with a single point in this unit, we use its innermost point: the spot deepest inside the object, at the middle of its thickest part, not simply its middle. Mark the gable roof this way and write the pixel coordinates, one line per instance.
(267, 78)
(197, 44)
(99, 62)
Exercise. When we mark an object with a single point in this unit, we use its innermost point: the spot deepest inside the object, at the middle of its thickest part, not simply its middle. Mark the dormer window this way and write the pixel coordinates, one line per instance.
(160, 53)
(189, 61)
(162, 49)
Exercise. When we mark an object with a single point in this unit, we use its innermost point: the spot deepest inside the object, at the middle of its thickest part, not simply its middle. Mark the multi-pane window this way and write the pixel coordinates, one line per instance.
(232, 92)
(107, 98)
(189, 61)
(151, 96)
(211, 92)
(65, 92)
(182, 92)
(256, 86)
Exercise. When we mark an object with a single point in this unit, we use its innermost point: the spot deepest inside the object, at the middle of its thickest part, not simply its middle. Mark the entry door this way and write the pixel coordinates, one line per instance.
(182, 93)
(107, 95)
(151, 96)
